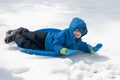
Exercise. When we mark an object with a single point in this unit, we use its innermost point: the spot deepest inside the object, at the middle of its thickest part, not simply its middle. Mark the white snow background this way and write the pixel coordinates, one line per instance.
(103, 22)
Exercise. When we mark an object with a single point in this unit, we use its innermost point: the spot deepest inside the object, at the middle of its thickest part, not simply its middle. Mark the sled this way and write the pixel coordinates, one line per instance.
(41, 52)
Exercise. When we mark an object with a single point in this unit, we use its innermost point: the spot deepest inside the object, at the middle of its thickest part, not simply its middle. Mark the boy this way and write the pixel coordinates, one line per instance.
(66, 42)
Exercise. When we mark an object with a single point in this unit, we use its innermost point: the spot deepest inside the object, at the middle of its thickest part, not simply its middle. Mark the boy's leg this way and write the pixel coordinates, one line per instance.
(26, 43)
(26, 39)
(36, 37)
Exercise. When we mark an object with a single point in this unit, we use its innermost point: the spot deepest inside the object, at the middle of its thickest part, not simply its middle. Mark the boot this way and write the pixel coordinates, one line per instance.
(11, 35)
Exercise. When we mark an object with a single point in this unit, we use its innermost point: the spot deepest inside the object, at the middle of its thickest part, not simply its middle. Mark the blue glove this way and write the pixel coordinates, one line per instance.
(66, 51)
(70, 52)
(97, 47)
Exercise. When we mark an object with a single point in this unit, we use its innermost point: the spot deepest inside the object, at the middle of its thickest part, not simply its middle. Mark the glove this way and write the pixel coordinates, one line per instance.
(96, 48)
(66, 51)
(70, 52)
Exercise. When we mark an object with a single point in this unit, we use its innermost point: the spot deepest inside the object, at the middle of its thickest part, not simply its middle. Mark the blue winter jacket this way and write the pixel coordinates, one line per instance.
(65, 38)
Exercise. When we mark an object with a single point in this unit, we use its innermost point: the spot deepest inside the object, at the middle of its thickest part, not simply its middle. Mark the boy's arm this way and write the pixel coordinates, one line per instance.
(90, 49)
(59, 41)
(59, 44)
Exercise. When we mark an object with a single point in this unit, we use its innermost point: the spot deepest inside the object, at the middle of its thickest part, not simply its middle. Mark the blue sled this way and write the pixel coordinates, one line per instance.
(41, 52)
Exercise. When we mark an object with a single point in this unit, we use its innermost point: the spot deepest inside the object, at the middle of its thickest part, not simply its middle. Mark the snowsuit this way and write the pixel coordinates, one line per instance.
(50, 41)
(66, 39)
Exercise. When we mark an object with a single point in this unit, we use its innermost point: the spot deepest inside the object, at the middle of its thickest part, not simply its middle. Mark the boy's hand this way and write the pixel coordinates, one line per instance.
(70, 52)
(66, 51)
(97, 47)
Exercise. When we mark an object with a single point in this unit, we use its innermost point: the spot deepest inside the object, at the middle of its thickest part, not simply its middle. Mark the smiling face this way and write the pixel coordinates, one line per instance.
(77, 34)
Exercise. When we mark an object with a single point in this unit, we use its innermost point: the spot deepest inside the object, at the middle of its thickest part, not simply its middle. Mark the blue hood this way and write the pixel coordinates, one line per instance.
(79, 24)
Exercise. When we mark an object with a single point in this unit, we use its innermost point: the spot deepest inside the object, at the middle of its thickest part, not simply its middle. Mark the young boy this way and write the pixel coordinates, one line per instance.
(66, 42)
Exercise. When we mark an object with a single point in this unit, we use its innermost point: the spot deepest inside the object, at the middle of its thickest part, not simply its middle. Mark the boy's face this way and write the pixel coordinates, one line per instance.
(76, 33)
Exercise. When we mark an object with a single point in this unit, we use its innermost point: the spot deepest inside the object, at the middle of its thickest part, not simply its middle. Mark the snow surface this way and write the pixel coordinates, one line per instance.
(103, 21)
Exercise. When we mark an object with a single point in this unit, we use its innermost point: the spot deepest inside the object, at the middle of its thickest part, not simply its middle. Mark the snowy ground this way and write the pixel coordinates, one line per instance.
(102, 18)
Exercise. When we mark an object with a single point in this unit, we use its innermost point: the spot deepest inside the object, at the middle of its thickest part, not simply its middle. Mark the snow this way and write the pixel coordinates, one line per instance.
(102, 18)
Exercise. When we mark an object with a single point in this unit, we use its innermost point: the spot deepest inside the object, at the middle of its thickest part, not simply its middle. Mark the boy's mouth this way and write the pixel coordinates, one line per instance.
(77, 36)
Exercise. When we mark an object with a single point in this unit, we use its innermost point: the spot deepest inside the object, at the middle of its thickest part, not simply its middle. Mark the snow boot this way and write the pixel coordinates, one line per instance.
(11, 35)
